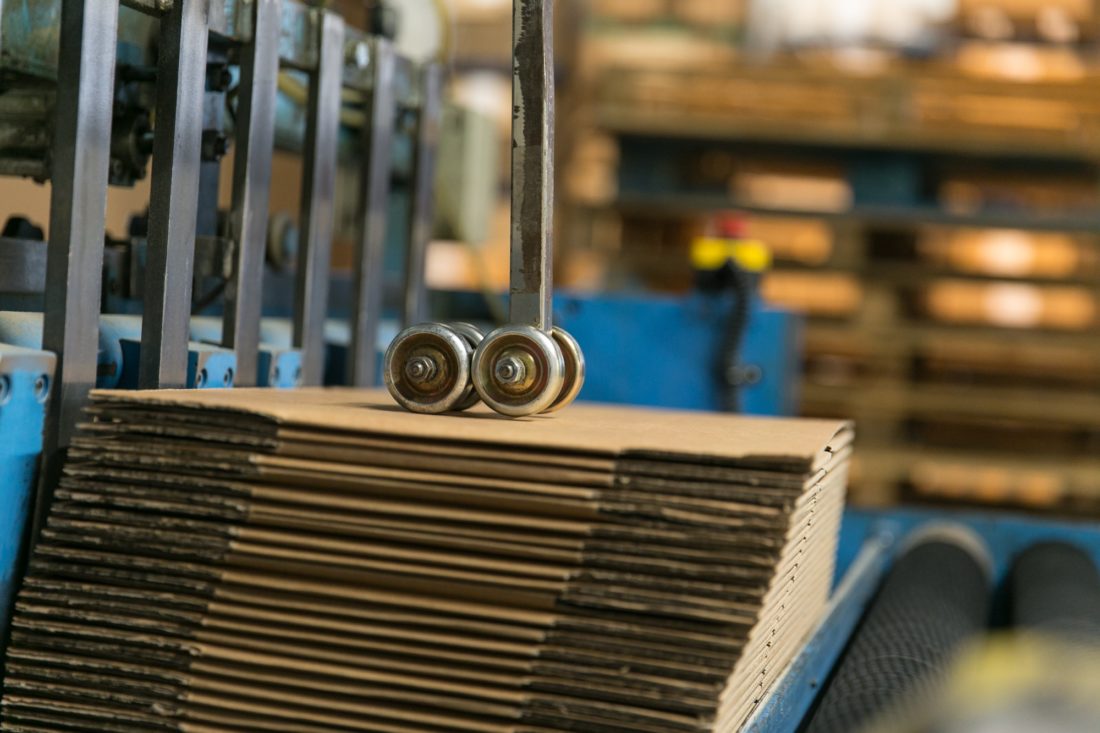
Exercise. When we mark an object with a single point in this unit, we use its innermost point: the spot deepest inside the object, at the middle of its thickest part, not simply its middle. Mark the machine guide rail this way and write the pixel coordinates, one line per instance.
(528, 366)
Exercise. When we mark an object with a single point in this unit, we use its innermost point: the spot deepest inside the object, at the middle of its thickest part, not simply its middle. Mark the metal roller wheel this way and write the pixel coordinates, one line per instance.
(427, 369)
(518, 371)
(473, 336)
(574, 369)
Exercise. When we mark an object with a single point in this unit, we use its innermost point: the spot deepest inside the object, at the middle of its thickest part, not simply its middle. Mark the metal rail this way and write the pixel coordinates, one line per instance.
(78, 210)
(367, 277)
(255, 144)
(174, 199)
(532, 274)
(422, 210)
(318, 200)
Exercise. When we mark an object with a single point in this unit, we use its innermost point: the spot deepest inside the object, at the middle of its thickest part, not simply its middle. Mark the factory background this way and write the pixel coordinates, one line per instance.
(924, 173)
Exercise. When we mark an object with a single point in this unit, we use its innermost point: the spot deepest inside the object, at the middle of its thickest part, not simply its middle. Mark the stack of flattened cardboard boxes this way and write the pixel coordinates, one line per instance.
(321, 561)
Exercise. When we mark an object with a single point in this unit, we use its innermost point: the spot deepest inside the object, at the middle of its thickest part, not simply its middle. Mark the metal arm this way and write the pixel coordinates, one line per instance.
(174, 199)
(532, 274)
(78, 209)
(377, 141)
(422, 211)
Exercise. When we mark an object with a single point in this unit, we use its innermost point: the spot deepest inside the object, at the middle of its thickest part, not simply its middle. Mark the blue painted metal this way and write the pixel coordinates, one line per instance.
(29, 37)
(793, 695)
(24, 388)
(208, 366)
(663, 351)
(25, 330)
(279, 368)
(279, 365)
(1005, 534)
(276, 334)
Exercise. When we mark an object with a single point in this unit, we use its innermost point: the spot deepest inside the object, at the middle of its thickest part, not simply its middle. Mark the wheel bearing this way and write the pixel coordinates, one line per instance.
(574, 369)
(427, 369)
(518, 371)
(473, 337)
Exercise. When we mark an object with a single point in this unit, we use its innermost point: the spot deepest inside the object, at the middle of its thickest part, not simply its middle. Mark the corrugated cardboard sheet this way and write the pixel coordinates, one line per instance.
(322, 561)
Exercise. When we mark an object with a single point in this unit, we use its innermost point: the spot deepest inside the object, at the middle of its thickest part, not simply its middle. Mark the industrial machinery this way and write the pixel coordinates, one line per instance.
(90, 94)
(227, 90)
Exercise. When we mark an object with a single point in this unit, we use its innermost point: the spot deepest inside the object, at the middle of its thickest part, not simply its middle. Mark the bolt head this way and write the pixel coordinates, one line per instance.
(421, 369)
(359, 55)
(510, 371)
(42, 388)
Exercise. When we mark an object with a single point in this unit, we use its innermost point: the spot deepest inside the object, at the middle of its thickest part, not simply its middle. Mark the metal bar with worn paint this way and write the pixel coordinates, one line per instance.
(367, 278)
(422, 211)
(78, 210)
(255, 144)
(532, 163)
(173, 203)
(318, 200)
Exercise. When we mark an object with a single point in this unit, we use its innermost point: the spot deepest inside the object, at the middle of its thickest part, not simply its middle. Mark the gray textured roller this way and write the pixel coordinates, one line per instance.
(1055, 589)
(935, 598)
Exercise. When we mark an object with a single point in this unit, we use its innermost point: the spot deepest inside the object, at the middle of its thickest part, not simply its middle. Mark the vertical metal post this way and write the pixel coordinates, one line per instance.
(78, 209)
(532, 163)
(368, 281)
(422, 211)
(318, 190)
(173, 204)
(255, 143)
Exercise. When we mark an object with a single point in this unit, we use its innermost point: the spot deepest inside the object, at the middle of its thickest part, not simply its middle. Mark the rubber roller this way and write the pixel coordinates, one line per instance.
(1055, 589)
(936, 597)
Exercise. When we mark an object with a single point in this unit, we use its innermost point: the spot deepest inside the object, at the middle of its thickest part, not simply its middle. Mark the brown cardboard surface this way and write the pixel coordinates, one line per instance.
(290, 435)
(793, 444)
(320, 561)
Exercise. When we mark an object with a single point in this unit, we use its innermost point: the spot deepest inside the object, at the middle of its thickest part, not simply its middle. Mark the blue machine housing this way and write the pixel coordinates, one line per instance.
(660, 351)
(25, 375)
(656, 350)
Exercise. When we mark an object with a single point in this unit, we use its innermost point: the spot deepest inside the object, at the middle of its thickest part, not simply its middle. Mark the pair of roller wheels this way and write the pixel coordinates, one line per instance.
(515, 370)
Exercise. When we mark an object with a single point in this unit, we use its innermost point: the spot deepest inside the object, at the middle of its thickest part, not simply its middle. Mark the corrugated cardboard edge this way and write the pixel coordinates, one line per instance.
(796, 444)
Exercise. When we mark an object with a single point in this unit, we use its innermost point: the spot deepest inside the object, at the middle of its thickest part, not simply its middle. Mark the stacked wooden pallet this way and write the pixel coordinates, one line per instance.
(970, 356)
(902, 106)
(320, 561)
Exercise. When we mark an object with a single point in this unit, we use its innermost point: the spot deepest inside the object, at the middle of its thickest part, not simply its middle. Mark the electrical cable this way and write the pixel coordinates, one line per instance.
(742, 285)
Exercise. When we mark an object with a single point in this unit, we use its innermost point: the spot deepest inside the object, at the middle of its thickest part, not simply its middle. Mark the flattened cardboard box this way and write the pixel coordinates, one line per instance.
(322, 561)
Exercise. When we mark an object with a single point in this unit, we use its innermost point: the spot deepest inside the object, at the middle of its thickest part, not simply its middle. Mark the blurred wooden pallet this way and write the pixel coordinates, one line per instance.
(958, 401)
(933, 108)
(1055, 486)
(954, 315)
